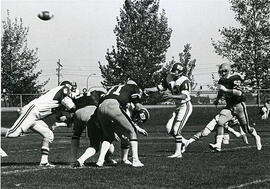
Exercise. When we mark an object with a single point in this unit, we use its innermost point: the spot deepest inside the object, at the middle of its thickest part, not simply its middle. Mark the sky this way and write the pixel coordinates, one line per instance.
(81, 31)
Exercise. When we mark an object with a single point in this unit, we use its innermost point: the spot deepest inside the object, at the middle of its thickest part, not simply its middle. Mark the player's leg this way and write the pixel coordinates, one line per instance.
(203, 133)
(3, 153)
(27, 118)
(182, 115)
(242, 116)
(42, 128)
(224, 116)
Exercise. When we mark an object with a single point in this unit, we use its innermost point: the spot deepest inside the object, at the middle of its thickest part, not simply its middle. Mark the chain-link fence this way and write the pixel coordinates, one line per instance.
(200, 97)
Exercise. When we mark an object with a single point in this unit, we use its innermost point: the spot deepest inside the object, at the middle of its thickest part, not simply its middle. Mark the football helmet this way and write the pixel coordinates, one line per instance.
(140, 116)
(66, 83)
(177, 70)
(224, 70)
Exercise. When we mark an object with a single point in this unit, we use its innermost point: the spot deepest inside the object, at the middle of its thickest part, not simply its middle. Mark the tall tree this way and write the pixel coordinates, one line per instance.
(18, 62)
(248, 46)
(142, 40)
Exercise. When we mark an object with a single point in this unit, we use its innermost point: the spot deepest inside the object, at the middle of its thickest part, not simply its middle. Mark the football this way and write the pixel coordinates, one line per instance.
(45, 15)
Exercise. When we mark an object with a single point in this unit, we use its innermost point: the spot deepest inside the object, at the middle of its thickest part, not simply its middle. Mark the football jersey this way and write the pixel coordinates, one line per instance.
(85, 101)
(47, 102)
(124, 94)
(178, 87)
(233, 82)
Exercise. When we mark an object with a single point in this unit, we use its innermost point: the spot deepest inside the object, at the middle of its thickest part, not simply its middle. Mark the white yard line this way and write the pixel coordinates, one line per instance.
(250, 183)
(23, 171)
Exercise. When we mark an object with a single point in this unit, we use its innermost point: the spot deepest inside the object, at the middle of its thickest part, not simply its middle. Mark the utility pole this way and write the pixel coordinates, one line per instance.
(58, 69)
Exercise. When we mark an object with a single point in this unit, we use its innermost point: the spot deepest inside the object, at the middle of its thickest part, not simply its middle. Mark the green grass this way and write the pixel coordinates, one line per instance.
(238, 165)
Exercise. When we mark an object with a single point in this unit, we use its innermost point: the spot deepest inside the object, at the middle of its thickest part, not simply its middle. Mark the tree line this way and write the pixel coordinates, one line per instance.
(142, 40)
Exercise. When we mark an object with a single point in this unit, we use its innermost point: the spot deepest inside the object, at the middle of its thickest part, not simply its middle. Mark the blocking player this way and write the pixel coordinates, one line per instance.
(112, 109)
(230, 89)
(96, 138)
(32, 115)
(179, 86)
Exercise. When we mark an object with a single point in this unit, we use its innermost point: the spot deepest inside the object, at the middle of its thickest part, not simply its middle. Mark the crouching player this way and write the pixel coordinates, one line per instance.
(112, 110)
(32, 115)
(96, 138)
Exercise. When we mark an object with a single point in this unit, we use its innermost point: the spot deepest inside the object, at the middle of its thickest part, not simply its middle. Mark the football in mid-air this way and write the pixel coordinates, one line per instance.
(45, 15)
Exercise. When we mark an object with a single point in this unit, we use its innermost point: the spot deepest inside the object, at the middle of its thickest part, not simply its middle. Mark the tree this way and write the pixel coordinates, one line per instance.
(248, 46)
(18, 62)
(142, 40)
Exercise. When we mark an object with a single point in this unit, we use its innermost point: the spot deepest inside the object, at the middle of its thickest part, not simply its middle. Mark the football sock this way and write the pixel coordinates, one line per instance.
(44, 155)
(254, 133)
(178, 144)
(89, 152)
(104, 149)
(75, 143)
(134, 150)
(219, 140)
(124, 153)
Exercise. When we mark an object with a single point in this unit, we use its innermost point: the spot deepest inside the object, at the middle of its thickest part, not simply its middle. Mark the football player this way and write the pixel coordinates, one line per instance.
(96, 137)
(32, 115)
(211, 126)
(112, 110)
(264, 112)
(179, 86)
(230, 89)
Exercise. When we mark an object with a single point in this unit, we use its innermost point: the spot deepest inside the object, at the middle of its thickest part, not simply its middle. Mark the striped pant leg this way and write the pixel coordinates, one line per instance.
(24, 122)
(181, 118)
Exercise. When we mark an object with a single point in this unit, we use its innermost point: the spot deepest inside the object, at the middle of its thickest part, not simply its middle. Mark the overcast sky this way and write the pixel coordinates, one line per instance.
(82, 30)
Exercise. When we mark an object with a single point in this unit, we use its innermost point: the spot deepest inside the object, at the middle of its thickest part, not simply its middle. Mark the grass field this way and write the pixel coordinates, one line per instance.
(237, 166)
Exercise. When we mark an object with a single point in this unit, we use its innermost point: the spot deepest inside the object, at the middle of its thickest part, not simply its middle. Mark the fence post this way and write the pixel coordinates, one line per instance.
(21, 102)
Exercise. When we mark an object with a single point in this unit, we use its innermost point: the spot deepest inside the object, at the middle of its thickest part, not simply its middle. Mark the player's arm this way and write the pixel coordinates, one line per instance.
(234, 91)
(140, 130)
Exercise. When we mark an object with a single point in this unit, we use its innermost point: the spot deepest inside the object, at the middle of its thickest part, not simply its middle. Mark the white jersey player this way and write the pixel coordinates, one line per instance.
(32, 114)
(179, 86)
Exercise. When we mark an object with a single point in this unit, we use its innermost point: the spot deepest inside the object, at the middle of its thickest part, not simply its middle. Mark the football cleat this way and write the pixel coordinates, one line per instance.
(126, 162)
(258, 142)
(175, 156)
(110, 161)
(46, 165)
(215, 147)
(77, 164)
(245, 139)
(184, 146)
(137, 163)
(99, 164)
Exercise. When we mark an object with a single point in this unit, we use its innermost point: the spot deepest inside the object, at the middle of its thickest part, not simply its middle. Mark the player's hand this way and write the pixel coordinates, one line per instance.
(167, 95)
(143, 132)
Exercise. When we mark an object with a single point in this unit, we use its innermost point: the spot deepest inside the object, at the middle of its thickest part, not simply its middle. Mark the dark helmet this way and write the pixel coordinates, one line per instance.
(65, 83)
(141, 116)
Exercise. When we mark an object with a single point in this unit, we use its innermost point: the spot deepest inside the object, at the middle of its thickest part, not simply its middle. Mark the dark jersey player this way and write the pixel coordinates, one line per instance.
(230, 89)
(113, 119)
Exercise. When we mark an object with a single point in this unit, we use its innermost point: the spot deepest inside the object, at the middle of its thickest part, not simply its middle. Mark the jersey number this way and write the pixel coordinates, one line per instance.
(117, 91)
